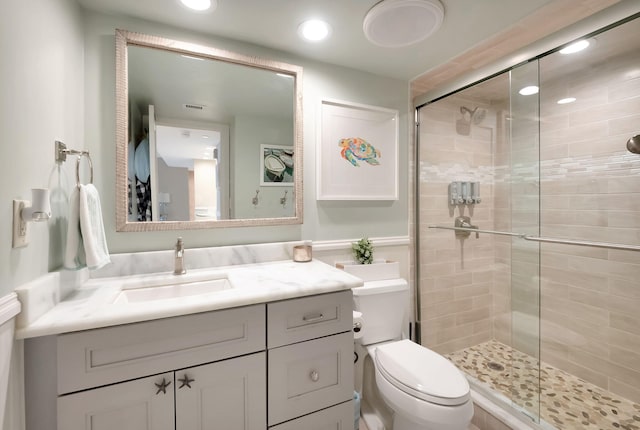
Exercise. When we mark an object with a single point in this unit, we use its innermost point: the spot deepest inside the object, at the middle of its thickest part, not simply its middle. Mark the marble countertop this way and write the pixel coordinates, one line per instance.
(95, 303)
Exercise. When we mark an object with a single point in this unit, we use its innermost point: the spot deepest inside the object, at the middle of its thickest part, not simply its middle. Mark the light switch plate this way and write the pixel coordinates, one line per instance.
(19, 228)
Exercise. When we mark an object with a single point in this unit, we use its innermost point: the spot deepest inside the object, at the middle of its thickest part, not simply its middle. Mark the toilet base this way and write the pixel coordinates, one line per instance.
(401, 423)
(375, 412)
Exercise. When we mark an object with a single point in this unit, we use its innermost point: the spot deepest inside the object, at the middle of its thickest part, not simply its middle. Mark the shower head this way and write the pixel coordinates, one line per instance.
(476, 115)
(633, 144)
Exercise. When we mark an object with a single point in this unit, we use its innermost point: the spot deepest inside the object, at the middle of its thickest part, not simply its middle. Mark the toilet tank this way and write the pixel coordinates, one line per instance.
(383, 305)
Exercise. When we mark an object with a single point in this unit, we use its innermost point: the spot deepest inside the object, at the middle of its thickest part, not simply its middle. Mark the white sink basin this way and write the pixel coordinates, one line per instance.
(166, 288)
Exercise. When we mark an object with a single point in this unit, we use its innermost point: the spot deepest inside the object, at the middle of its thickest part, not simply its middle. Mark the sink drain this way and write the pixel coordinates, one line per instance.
(495, 366)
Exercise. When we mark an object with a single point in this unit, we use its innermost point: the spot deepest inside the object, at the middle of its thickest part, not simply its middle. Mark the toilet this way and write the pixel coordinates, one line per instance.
(422, 389)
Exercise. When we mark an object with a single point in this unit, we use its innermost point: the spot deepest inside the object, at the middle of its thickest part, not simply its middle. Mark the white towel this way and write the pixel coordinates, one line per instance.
(86, 241)
(74, 254)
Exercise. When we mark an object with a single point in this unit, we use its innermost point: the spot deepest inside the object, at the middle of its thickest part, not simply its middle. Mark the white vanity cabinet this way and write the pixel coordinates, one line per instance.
(310, 356)
(282, 365)
(133, 376)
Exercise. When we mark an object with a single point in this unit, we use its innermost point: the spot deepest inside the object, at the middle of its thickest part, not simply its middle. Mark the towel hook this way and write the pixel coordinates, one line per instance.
(61, 155)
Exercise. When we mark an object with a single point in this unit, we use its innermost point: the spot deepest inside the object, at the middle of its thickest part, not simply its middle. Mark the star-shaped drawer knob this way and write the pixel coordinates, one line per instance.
(162, 386)
(185, 381)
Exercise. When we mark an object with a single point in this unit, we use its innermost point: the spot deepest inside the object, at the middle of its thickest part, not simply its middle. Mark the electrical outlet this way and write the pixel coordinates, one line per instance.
(19, 227)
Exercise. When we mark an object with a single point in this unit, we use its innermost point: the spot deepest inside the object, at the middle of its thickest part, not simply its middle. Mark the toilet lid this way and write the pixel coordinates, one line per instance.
(422, 373)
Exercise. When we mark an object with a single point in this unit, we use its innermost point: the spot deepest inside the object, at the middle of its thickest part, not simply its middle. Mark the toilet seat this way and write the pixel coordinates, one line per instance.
(422, 373)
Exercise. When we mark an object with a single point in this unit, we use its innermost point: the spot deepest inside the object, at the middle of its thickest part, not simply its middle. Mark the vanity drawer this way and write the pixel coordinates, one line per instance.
(308, 376)
(98, 357)
(339, 417)
(307, 318)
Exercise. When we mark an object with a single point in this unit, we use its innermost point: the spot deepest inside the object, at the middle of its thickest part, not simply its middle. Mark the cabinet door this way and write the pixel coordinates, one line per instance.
(226, 395)
(141, 404)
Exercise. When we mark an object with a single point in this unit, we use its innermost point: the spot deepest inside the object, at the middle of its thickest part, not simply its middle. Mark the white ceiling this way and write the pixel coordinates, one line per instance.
(273, 24)
(179, 146)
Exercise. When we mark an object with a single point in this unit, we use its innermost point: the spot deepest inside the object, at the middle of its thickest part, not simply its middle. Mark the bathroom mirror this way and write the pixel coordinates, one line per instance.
(206, 138)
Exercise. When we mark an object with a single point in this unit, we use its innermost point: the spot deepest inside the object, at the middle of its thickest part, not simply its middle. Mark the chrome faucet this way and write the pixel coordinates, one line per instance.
(179, 258)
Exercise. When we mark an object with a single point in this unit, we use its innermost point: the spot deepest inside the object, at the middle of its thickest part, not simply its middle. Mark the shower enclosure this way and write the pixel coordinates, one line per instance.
(531, 282)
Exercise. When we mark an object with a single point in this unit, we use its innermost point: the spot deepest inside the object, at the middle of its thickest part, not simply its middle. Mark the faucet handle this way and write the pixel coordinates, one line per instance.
(465, 222)
(469, 225)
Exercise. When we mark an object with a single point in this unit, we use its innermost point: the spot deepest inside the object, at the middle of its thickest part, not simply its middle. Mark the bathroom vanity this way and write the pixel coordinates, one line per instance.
(273, 351)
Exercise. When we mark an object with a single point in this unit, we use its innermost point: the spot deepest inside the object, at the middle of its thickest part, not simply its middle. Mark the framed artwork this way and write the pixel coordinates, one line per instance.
(276, 165)
(357, 152)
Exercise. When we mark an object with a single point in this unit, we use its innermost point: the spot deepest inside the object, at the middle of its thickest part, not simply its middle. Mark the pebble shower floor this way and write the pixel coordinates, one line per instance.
(566, 401)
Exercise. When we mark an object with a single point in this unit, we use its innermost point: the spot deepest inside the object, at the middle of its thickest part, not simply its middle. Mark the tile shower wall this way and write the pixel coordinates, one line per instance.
(590, 189)
(456, 275)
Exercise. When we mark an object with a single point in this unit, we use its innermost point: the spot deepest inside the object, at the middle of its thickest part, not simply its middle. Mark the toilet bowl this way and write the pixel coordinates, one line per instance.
(424, 390)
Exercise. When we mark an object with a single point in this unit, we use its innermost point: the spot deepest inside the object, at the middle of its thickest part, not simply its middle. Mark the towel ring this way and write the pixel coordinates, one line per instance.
(84, 154)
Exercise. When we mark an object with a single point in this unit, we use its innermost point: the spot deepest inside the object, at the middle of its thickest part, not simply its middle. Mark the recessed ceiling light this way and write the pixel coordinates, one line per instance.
(527, 91)
(566, 100)
(204, 136)
(200, 5)
(314, 30)
(575, 47)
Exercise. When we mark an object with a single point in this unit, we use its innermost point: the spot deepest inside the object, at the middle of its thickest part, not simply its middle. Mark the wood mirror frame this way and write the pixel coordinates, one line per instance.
(125, 39)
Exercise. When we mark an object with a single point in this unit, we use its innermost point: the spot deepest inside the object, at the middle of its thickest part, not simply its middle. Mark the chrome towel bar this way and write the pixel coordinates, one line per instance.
(589, 243)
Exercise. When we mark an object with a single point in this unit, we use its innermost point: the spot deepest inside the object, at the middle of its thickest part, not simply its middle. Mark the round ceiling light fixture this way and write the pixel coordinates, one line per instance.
(200, 5)
(398, 23)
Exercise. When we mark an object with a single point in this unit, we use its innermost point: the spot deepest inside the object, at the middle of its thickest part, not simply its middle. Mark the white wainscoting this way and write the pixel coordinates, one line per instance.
(10, 365)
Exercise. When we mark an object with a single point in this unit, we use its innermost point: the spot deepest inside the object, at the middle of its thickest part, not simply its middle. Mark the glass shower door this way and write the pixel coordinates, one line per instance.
(524, 172)
(479, 294)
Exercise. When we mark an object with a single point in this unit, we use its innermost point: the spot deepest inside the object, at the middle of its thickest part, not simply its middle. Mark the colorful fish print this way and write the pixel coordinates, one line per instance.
(356, 149)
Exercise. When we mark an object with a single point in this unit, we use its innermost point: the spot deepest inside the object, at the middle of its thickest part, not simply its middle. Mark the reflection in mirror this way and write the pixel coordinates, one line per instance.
(199, 131)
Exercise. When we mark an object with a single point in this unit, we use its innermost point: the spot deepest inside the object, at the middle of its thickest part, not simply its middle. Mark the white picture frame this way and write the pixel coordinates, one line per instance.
(276, 165)
(357, 152)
